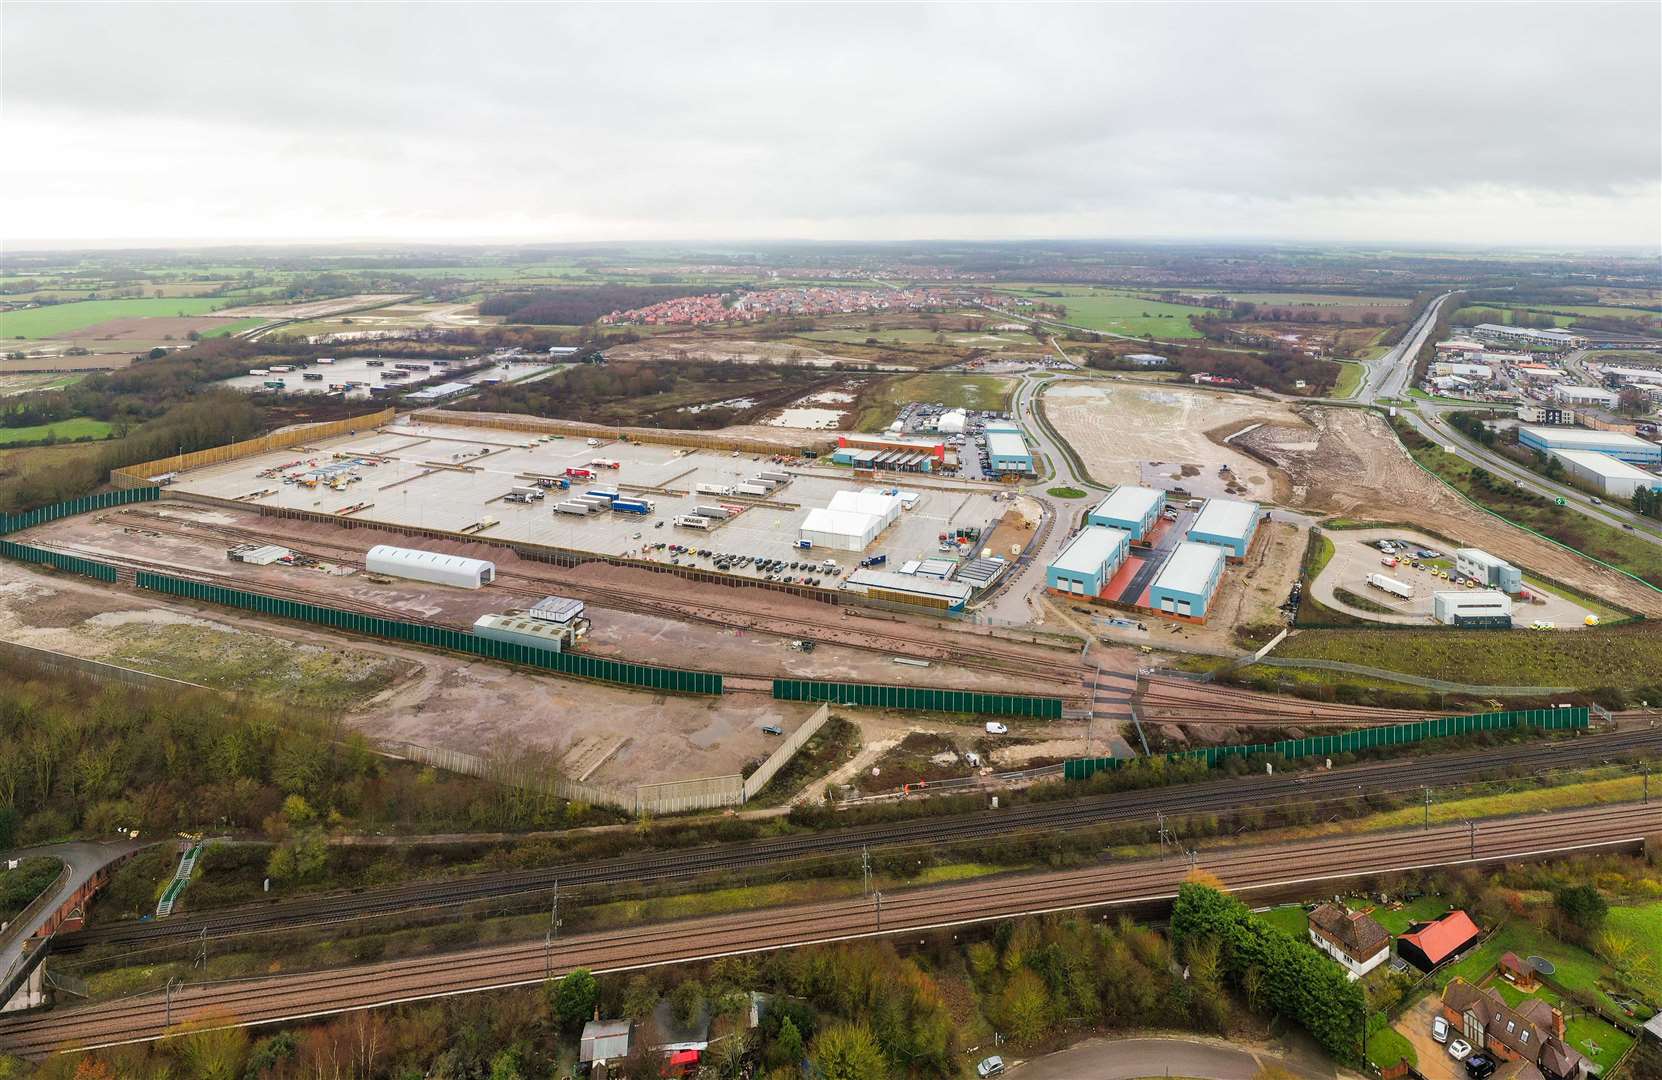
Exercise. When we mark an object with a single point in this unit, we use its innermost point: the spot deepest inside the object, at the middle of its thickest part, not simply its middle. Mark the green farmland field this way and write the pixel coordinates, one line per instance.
(65, 430)
(48, 322)
(1117, 313)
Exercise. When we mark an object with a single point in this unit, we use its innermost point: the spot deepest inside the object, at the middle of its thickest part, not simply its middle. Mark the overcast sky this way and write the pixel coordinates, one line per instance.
(1533, 124)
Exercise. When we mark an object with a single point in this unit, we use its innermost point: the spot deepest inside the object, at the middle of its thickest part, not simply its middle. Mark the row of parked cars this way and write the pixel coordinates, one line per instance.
(788, 571)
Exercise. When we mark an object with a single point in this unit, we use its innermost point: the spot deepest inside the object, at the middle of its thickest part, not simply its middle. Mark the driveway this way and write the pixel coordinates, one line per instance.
(1131, 1059)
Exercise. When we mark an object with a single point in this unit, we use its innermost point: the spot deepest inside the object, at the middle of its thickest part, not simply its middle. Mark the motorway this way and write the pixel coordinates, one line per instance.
(1172, 803)
(297, 996)
(1388, 377)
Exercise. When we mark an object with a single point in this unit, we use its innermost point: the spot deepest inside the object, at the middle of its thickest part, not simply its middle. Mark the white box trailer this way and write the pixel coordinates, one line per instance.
(777, 477)
(756, 491)
(572, 506)
(762, 481)
(719, 513)
(1392, 586)
(713, 489)
(694, 521)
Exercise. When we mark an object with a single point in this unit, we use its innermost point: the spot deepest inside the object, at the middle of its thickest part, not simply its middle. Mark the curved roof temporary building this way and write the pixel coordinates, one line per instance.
(429, 566)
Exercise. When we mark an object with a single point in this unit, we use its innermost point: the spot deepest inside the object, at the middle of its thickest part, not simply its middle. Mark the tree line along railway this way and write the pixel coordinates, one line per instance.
(1172, 804)
(941, 908)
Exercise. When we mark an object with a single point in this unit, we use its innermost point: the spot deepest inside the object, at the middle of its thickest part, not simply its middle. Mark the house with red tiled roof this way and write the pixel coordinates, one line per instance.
(1352, 938)
(1426, 945)
(1533, 1032)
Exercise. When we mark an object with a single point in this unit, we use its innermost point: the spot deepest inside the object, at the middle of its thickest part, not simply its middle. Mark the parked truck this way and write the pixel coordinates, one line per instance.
(632, 506)
(1391, 585)
(693, 521)
(713, 489)
(581, 509)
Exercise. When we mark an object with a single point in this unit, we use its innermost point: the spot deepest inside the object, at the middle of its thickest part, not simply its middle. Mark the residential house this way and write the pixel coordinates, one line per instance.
(1352, 938)
(1533, 1032)
(1428, 944)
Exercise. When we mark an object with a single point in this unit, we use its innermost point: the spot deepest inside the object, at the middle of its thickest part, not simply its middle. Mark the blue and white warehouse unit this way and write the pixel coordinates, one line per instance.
(1618, 444)
(1088, 561)
(1186, 583)
(1129, 507)
(1007, 451)
(1228, 523)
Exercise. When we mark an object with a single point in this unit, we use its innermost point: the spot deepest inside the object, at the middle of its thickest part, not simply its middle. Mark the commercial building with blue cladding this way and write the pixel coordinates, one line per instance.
(1186, 583)
(1228, 523)
(1088, 561)
(1130, 507)
(1618, 444)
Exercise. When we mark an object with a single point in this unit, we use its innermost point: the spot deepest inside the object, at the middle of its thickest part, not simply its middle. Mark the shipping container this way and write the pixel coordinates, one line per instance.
(693, 521)
(573, 507)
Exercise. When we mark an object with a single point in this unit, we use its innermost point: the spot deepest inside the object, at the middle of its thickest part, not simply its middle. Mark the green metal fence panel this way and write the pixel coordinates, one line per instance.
(72, 563)
(1363, 739)
(875, 695)
(10, 523)
(590, 667)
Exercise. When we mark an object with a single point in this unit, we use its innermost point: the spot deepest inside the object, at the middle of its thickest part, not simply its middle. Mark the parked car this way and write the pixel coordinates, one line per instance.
(772, 729)
(996, 728)
(1459, 1049)
(1480, 1067)
(1439, 1028)
(993, 1066)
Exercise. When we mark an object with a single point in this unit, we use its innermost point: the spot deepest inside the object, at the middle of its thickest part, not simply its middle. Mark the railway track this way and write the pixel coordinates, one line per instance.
(1173, 804)
(1182, 701)
(526, 579)
(282, 998)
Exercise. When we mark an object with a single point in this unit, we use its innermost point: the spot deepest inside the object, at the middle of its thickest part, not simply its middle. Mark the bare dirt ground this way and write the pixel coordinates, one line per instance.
(430, 698)
(149, 330)
(313, 309)
(56, 362)
(1348, 462)
(1119, 429)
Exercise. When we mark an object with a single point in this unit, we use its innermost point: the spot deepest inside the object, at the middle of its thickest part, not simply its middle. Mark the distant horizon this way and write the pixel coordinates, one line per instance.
(72, 246)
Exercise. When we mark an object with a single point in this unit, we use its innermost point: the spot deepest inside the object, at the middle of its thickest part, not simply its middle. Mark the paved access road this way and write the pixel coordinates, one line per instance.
(84, 858)
(1131, 1059)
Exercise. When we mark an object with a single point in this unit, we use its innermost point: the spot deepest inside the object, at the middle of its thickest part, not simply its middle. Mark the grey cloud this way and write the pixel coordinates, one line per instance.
(752, 119)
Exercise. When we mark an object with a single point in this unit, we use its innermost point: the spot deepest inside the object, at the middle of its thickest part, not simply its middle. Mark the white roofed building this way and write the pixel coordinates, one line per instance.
(430, 566)
(844, 530)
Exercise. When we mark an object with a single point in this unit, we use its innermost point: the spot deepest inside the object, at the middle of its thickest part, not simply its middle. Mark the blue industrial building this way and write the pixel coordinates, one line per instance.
(1186, 583)
(1129, 507)
(1088, 561)
(1007, 451)
(1618, 444)
(1228, 523)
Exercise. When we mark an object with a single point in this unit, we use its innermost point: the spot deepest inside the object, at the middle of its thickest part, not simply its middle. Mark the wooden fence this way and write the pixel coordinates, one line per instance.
(139, 475)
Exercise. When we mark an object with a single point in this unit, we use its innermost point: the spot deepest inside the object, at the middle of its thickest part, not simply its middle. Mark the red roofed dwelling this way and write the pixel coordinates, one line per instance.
(1429, 944)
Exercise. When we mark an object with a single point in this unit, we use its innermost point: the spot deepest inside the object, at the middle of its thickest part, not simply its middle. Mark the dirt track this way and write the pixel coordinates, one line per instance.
(1347, 461)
